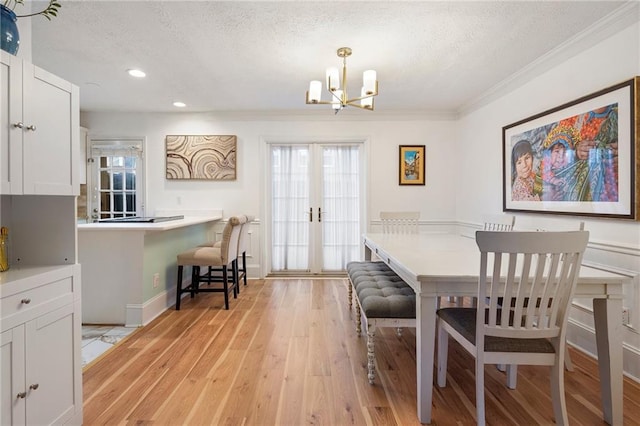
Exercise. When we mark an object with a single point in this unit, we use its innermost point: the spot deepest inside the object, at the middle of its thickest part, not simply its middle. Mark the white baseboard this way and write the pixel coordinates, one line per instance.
(138, 315)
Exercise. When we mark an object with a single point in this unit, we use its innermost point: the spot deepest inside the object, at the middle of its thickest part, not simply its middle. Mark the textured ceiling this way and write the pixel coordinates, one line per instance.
(260, 56)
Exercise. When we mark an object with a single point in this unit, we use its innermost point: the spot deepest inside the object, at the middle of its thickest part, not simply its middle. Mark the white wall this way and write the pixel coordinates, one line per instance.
(615, 243)
(433, 200)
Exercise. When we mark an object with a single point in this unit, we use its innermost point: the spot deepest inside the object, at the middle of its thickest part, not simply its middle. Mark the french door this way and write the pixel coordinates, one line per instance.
(316, 207)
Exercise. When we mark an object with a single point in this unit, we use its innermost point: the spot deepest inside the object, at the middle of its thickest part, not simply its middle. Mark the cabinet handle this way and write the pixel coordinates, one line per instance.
(310, 214)
(22, 395)
(34, 386)
(25, 301)
(19, 125)
(31, 127)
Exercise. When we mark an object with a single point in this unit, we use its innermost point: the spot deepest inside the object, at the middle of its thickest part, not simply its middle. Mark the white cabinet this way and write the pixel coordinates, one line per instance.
(40, 119)
(41, 347)
(40, 300)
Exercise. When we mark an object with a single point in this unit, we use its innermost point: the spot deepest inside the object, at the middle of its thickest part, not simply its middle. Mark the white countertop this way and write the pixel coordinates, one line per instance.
(157, 226)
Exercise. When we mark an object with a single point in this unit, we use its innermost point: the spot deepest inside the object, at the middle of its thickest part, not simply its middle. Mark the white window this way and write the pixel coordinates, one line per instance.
(116, 178)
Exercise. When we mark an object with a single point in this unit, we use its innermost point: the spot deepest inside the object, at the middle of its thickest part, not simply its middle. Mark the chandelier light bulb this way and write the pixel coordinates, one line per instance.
(315, 91)
(369, 79)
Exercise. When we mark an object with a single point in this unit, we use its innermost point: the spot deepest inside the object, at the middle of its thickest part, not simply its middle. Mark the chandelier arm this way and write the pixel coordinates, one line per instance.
(333, 95)
(360, 98)
(319, 103)
(360, 106)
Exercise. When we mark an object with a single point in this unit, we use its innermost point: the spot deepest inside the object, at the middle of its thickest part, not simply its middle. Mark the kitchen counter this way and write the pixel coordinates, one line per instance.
(129, 270)
(149, 226)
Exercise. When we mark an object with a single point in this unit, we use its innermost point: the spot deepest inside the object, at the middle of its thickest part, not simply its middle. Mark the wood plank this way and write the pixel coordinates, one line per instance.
(286, 353)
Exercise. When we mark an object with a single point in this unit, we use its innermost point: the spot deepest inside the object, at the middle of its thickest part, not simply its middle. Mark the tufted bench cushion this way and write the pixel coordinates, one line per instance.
(380, 291)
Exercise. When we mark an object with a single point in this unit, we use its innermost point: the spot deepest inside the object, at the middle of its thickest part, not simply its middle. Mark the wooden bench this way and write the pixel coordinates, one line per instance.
(383, 299)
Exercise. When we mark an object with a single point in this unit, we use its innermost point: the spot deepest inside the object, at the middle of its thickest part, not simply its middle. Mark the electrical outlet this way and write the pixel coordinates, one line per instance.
(156, 280)
(625, 316)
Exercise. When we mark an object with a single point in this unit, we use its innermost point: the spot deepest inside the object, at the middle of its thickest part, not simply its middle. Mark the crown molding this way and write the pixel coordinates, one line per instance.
(616, 21)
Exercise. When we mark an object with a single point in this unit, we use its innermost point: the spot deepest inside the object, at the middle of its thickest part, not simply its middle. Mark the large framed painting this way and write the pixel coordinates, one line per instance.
(412, 165)
(205, 157)
(580, 158)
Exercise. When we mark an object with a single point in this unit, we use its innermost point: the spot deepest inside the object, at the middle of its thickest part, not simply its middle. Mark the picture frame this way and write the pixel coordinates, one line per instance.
(580, 158)
(412, 165)
(201, 157)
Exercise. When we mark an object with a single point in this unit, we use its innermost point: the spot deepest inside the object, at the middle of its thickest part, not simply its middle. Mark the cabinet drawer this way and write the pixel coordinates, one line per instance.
(34, 299)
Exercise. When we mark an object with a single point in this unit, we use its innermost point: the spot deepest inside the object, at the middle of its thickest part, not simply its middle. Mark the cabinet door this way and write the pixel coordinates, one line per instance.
(52, 349)
(51, 147)
(10, 119)
(12, 370)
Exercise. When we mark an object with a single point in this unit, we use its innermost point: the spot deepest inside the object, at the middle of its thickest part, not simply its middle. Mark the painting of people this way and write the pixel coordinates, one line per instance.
(577, 158)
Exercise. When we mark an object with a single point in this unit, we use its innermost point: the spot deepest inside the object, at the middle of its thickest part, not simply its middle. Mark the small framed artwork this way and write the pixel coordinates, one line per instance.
(412, 162)
(204, 157)
(580, 158)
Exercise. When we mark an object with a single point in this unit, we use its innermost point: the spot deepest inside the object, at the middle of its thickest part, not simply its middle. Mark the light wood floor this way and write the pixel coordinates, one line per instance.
(286, 353)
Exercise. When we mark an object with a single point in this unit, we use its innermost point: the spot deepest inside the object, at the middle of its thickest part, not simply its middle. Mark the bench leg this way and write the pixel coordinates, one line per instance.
(358, 320)
(350, 293)
(371, 367)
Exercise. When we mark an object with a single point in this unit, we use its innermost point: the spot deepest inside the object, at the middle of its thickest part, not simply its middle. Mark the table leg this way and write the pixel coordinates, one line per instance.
(608, 325)
(367, 252)
(425, 346)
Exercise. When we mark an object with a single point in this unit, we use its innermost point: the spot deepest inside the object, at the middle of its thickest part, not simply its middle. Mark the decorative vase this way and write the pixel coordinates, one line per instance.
(10, 38)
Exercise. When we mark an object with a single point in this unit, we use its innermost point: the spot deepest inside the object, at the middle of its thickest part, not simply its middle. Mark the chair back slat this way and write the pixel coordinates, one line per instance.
(501, 222)
(534, 275)
(399, 222)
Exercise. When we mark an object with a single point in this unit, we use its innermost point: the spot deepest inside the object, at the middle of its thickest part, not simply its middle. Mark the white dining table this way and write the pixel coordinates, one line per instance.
(444, 264)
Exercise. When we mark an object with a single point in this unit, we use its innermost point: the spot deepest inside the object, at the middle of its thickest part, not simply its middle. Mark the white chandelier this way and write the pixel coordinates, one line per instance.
(339, 97)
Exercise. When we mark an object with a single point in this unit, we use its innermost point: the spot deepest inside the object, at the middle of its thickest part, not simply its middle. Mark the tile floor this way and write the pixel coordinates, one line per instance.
(97, 339)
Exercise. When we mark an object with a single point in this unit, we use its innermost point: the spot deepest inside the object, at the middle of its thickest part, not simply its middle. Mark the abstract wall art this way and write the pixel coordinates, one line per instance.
(203, 157)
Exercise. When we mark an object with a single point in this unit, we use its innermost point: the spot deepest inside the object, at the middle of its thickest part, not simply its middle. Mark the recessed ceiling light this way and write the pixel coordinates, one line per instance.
(179, 104)
(136, 73)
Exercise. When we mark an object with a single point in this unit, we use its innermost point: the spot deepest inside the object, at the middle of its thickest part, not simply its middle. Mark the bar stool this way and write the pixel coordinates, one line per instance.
(240, 269)
(243, 243)
(223, 257)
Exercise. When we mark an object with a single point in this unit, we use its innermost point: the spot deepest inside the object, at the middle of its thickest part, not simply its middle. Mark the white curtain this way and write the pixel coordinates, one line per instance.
(290, 204)
(341, 206)
(293, 178)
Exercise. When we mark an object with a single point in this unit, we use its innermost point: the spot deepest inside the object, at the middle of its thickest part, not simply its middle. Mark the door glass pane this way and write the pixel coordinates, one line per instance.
(341, 206)
(117, 181)
(290, 204)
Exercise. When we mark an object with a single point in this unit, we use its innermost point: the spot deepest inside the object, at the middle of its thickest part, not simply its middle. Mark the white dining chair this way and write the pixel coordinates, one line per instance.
(512, 371)
(520, 267)
(498, 222)
(399, 222)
